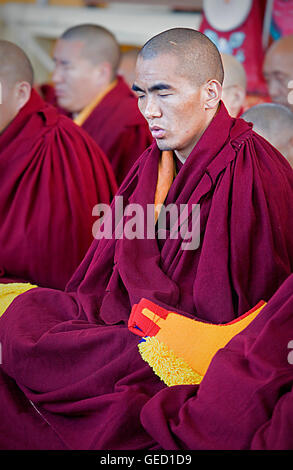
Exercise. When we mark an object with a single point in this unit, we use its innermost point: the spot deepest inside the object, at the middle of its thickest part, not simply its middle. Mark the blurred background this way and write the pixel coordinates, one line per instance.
(243, 28)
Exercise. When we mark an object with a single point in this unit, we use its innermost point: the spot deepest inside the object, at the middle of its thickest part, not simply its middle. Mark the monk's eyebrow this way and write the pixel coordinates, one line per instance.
(157, 87)
(160, 86)
(136, 88)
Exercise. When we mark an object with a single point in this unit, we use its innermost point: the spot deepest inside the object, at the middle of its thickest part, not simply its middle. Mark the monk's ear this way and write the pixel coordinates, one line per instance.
(212, 92)
(22, 94)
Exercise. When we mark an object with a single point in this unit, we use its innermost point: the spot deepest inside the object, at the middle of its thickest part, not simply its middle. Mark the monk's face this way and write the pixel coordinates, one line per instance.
(278, 72)
(75, 77)
(9, 106)
(171, 103)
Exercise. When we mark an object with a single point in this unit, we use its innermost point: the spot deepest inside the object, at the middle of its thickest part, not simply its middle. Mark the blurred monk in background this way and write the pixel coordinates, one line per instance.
(274, 122)
(127, 65)
(278, 71)
(88, 87)
(234, 85)
(51, 175)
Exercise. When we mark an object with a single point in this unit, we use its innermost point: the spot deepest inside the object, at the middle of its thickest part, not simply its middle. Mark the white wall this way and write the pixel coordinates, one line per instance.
(35, 27)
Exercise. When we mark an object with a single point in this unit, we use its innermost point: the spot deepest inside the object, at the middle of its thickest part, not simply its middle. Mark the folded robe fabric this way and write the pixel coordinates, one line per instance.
(70, 363)
(117, 126)
(52, 174)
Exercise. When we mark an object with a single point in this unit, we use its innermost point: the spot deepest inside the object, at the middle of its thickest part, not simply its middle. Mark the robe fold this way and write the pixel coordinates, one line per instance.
(52, 174)
(77, 376)
(117, 126)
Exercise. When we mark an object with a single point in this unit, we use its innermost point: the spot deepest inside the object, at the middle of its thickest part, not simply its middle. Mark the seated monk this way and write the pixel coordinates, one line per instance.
(88, 87)
(234, 85)
(217, 273)
(274, 122)
(52, 175)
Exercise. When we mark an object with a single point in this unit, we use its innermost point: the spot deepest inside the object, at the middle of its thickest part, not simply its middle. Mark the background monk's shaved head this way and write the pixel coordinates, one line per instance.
(282, 46)
(234, 71)
(271, 119)
(198, 57)
(14, 65)
(234, 84)
(99, 43)
(274, 122)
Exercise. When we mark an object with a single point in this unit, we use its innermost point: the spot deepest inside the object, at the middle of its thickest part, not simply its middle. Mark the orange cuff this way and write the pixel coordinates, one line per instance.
(192, 342)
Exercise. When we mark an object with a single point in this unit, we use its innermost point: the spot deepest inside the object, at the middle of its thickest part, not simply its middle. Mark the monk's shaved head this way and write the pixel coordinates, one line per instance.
(283, 46)
(100, 45)
(274, 122)
(234, 71)
(198, 57)
(14, 64)
(270, 118)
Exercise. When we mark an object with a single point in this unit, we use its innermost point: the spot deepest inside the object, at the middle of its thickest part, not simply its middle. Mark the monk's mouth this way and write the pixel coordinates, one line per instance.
(157, 132)
(60, 93)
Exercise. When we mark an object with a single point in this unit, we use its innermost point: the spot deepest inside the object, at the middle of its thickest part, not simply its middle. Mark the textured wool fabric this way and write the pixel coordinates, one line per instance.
(52, 174)
(70, 365)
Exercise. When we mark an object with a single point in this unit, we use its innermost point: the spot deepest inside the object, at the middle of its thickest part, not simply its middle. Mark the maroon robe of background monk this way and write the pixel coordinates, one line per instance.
(74, 379)
(87, 86)
(52, 174)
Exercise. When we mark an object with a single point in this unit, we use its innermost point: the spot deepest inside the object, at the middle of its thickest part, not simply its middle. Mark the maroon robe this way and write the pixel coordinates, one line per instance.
(52, 174)
(65, 377)
(117, 126)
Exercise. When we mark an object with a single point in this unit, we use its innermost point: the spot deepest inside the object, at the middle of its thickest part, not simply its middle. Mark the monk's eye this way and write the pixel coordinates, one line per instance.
(140, 96)
(164, 95)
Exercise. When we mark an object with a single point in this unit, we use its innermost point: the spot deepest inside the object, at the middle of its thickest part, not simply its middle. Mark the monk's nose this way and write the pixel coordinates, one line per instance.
(56, 75)
(275, 89)
(152, 109)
